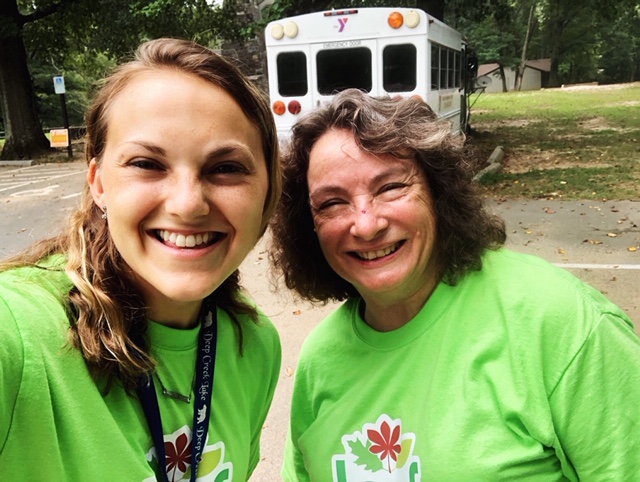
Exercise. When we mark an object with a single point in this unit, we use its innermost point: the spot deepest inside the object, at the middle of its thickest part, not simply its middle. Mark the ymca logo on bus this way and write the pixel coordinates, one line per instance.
(342, 22)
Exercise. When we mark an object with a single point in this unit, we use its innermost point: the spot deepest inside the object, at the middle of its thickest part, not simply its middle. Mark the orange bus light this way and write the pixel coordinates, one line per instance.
(395, 20)
(279, 107)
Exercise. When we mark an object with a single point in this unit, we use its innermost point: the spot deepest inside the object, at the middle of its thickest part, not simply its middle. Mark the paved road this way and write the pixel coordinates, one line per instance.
(35, 200)
(597, 241)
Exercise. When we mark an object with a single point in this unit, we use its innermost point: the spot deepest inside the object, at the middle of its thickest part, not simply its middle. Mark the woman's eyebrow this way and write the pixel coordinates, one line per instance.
(155, 149)
(229, 149)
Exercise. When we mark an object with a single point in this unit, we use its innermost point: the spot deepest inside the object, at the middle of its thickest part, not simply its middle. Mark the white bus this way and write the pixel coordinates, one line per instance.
(383, 51)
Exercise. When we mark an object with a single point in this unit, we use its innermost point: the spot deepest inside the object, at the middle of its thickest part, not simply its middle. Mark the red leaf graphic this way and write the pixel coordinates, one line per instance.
(178, 456)
(384, 443)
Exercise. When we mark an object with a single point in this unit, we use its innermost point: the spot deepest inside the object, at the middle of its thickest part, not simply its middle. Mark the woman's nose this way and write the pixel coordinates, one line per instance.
(187, 198)
(368, 222)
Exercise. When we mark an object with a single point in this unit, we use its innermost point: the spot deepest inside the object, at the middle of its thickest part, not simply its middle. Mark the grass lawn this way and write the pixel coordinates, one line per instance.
(575, 143)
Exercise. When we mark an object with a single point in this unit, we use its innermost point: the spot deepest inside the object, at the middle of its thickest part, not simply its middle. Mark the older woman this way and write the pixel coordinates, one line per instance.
(452, 357)
(128, 351)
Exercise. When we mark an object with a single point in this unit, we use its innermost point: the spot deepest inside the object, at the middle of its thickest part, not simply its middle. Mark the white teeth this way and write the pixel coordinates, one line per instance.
(369, 255)
(182, 241)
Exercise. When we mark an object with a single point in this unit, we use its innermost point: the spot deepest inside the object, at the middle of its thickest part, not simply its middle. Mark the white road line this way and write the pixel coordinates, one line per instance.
(598, 266)
(16, 186)
(68, 196)
(36, 180)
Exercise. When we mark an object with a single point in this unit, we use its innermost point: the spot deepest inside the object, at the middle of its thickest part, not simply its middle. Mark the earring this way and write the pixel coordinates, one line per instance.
(104, 212)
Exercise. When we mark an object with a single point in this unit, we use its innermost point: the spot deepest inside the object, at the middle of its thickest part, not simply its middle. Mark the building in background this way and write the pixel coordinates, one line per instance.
(536, 76)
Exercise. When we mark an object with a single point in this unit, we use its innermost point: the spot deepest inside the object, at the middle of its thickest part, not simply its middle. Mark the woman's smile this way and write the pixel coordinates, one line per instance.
(179, 240)
(379, 253)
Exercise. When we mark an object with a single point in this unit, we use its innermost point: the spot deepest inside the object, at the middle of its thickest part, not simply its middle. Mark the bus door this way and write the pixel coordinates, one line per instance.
(289, 86)
(340, 65)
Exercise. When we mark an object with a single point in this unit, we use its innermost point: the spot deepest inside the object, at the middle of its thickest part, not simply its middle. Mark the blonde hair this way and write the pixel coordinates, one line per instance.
(107, 311)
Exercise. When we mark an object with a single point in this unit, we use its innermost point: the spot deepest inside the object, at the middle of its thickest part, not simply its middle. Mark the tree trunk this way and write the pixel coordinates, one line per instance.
(560, 14)
(504, 78)
(523, 59)
(554, 76)
(24, 136)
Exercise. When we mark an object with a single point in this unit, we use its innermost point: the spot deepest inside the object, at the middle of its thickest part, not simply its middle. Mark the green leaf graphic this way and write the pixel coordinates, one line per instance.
(364, 457)
(404, 453)
(209, 462)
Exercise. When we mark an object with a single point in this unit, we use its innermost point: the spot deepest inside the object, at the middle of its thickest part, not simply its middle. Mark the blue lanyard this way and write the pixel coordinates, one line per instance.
(205, 365)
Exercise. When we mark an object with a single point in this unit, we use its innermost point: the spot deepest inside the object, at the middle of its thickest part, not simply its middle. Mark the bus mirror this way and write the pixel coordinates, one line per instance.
(472, 66)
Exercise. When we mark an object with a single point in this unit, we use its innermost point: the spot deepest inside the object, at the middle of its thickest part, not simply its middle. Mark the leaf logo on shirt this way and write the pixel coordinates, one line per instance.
(385, 443)
(177, 446)
(380, 452)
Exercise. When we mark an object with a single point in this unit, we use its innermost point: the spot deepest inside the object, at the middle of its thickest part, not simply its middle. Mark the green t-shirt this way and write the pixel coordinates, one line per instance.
(56, 425)
(520, 372)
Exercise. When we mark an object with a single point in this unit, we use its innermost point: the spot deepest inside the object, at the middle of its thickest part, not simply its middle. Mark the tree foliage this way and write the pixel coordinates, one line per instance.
(82, 39)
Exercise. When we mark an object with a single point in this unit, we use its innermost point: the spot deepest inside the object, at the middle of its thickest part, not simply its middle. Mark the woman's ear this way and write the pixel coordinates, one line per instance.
(95, 183)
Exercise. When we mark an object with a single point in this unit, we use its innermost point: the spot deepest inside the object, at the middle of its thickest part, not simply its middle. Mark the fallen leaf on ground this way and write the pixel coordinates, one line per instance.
(633, 249)
(288, 371)
(297, 312)
(612, 235)
(592, 241)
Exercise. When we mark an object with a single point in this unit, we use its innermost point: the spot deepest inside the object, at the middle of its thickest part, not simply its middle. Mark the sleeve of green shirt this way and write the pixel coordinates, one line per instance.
(293, 467)
(11, 368)
(596, 404)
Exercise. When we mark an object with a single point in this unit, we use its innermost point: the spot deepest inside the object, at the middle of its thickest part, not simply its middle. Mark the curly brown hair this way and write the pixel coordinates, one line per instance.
(107, 311)
(406, 128)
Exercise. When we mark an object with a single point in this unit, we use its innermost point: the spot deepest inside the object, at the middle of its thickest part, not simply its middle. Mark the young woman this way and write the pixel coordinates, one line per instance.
(128, 349)
(452, 359)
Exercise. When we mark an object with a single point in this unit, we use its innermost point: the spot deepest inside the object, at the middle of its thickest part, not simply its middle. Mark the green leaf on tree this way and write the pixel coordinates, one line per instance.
(364, 457)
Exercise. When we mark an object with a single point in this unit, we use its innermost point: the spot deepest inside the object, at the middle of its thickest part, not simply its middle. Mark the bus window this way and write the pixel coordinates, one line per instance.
(458, 70)
(443, 67)
(340, 69)
(435, 67)
(399, 68)
(292, 74)
(452, 70)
